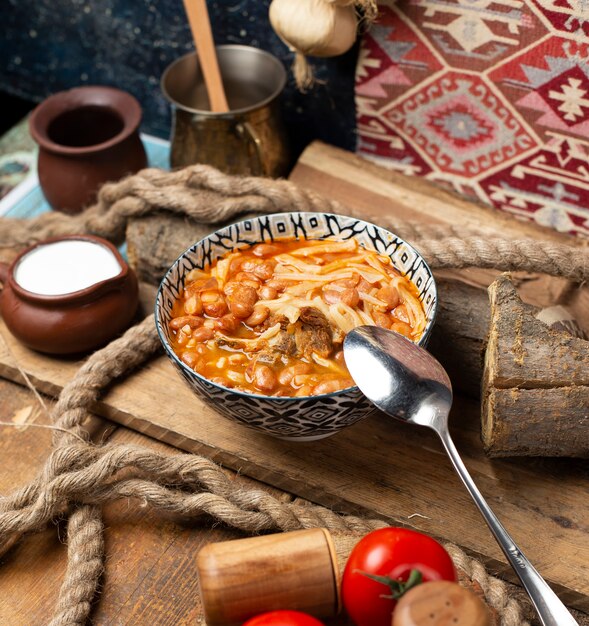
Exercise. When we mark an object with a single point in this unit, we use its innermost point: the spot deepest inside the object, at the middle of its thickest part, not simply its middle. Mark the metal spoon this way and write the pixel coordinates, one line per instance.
(407, 383)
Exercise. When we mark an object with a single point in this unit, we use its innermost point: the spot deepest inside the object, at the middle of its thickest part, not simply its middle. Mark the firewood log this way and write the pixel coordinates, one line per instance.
(154, 242)
(535, 399)
(459, 336)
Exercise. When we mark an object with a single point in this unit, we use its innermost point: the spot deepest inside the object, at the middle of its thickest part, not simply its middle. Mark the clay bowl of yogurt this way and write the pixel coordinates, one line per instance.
(68, 295)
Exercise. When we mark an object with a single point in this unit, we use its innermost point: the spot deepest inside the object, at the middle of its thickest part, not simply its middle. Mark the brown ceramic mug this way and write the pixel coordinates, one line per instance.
(87, 136)
(74, 322)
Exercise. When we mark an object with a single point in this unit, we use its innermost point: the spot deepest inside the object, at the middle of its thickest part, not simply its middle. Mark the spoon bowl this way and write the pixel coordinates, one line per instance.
(406, 382)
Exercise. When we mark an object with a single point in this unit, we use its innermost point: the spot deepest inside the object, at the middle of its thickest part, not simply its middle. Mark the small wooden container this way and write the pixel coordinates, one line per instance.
(295, 571)
(439, 603)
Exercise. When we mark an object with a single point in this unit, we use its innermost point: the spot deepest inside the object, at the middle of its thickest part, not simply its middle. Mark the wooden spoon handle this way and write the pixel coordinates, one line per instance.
(200, 25)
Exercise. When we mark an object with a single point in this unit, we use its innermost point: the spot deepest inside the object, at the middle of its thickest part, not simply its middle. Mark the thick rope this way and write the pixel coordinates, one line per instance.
(508, 255)
(204, 194)
(495, 590)
(85, 553)
(79, 476)
(199, 192)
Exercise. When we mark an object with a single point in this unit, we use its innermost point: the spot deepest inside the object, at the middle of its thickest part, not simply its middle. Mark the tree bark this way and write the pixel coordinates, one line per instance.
(459, 335)
(535, 384)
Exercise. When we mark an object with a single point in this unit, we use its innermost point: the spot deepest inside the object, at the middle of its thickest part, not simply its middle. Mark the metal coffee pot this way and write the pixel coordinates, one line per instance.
(250, 139)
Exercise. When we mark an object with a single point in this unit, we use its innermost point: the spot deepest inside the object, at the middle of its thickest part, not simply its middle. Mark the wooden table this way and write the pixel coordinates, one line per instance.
(150, 573)
(150, 568)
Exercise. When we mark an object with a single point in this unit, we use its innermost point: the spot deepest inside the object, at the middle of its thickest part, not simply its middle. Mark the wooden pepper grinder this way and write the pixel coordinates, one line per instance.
(440, 603)
(242, 578)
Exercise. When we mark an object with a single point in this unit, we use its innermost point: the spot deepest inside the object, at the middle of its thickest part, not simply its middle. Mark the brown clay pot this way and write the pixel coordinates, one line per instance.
(71, 323)
(87, 136)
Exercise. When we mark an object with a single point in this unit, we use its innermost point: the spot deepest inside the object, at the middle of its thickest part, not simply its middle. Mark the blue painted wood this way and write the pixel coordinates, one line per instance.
(50, 45)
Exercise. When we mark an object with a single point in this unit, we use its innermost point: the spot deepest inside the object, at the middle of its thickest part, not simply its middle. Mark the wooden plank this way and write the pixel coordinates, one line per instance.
(149, 555)
(150, 573)
(360, 184)
(27, 593)
(378, 467)
(374, 192)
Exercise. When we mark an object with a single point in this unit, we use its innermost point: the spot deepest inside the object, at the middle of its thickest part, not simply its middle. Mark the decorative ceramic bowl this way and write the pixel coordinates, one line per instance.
(304, 418)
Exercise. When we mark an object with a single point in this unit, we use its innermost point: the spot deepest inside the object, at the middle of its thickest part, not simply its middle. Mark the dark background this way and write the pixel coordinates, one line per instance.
(51, 45)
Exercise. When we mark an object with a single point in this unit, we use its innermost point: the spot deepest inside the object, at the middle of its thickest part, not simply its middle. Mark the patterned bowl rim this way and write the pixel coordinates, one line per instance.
(170, 352)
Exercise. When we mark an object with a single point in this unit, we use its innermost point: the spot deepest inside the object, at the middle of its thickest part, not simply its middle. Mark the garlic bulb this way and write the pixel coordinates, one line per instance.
(318, 28)
(321, 28)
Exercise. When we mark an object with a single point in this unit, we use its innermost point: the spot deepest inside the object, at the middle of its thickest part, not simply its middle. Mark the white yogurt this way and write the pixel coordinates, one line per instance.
(62, 267)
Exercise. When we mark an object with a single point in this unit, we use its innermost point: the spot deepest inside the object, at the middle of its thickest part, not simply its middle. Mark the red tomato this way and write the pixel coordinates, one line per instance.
(283, 618)
(390, 553)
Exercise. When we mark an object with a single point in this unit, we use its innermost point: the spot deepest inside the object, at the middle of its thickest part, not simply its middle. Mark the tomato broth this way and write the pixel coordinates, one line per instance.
(271, 319)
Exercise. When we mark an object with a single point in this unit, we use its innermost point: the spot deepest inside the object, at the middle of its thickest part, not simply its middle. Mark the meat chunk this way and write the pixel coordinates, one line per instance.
(285, 344)
(310, 333)
(282, 343)
(313, 333)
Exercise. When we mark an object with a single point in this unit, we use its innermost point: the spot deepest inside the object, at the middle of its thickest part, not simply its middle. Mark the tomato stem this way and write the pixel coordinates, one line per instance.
(397, 587)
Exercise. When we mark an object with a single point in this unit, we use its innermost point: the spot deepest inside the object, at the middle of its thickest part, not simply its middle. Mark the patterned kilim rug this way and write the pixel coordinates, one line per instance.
(490, 97)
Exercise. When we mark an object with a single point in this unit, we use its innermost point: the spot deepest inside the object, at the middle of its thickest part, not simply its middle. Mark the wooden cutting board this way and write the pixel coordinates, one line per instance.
(377, 467)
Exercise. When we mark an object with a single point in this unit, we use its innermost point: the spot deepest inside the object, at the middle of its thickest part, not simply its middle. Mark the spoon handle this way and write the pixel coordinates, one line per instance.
(551, 610)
